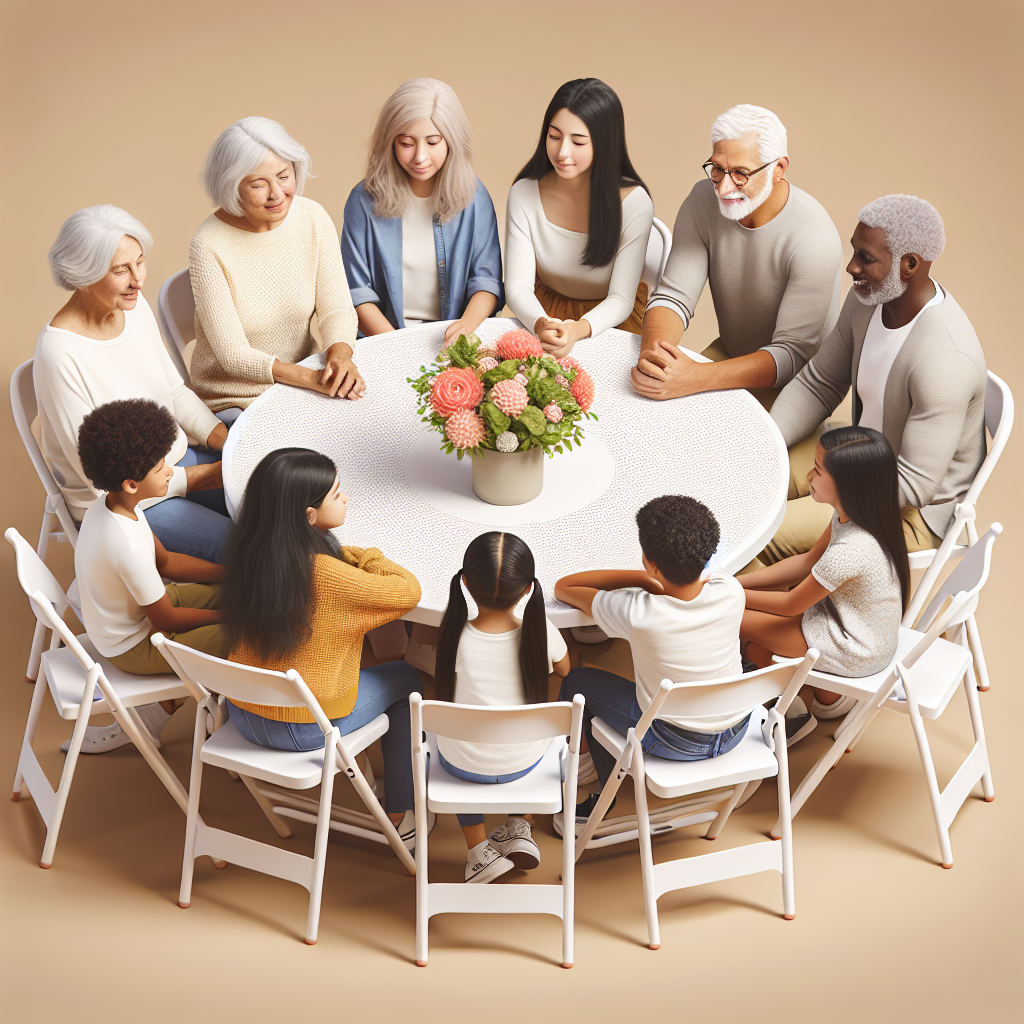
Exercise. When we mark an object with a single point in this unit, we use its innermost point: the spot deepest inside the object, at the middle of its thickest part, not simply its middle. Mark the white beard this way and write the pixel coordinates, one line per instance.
(891, 288)
(744, 208)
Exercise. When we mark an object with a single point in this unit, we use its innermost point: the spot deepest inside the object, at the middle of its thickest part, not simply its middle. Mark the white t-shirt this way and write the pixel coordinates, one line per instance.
(115, 564)
(685, 641)
(879, 352)
(487, 673)
(421, 292)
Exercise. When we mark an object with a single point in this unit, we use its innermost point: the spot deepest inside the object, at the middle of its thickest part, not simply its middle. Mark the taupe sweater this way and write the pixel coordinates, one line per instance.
(933, 410)
(775, 287)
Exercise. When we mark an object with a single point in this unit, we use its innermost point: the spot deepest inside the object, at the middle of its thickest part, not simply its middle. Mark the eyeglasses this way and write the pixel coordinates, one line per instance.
(739, 178)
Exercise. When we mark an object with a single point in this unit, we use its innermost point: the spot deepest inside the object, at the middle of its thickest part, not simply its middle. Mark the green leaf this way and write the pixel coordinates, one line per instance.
(503, 371)
(495, 419)
(533, 419)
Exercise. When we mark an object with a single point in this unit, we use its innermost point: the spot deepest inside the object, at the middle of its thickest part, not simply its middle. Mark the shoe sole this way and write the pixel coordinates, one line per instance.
(492, 871)
(124, 740)
(524, 853)
(805, 730)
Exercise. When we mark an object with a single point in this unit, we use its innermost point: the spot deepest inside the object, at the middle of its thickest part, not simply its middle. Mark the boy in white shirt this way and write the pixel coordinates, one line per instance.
(682, 623)
(119, 562)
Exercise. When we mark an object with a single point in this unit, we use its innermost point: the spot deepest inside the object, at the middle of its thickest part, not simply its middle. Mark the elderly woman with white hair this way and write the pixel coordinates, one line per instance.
(420, 239)
(916, 369)
(104, 345)
(262, 264)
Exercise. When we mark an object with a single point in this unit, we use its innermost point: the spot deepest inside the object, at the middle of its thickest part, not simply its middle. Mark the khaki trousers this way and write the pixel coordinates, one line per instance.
(766, 396)
(145, 660)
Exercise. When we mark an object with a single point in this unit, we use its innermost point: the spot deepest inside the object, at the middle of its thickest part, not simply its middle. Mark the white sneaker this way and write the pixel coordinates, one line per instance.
(484, 863)
(406, 828)
(587, 773)
(100, 738)
(421, 656)
(589, 634)
(154, 718)
(834, 710)
(515, 841)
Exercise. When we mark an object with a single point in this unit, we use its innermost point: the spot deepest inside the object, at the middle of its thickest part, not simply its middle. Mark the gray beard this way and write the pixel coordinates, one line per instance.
(748, 206)
(891, 288)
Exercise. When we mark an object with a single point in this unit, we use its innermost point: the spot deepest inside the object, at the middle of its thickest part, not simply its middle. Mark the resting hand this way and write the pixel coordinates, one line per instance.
(557, 337)
(454, 329)
(204, 477)
(665, 372)
(339, 376)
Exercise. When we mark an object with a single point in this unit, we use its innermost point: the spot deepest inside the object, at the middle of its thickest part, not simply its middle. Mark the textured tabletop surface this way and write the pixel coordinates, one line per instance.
(720, 447)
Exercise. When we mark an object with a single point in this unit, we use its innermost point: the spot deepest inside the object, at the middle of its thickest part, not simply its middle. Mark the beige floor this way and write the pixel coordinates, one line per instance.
(118, 103)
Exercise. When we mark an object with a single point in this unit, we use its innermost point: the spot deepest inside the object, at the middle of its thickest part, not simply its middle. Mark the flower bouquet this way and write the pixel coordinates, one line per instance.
(506, 397)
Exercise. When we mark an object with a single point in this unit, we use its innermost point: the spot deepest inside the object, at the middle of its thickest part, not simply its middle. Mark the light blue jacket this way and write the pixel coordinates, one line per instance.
(468, 256)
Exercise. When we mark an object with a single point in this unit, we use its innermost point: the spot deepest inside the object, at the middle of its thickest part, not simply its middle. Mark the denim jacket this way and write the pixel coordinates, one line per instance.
(468, 256)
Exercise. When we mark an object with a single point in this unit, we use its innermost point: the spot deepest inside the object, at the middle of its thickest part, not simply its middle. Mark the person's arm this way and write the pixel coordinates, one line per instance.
(579, 588)
(521, 264)
(166, 618)
(382, 590)
(185, 568)
(789, 570)
(667, 372)
(562, 666)
(793, 602)
(372, 320)
(358, 259)
(480, 306)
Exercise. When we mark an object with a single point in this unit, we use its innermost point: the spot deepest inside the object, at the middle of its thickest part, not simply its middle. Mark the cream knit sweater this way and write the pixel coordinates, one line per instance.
(256, 293)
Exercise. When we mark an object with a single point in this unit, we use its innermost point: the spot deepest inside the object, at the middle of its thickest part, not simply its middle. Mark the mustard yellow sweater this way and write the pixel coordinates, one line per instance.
(351, 595)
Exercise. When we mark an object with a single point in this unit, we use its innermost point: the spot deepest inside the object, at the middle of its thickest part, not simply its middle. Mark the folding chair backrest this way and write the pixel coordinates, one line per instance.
(736, 694)
(968, 577)
(34, 576)
(658, 246)
(521, 723)
(177, 310)
(999, 422)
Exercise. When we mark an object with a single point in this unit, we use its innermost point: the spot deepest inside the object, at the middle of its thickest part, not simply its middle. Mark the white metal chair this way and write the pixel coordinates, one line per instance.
(208, 679)
(760, 754)
(545, 790)
(72, 674)
(176, 310)
(658, 247)
(925, 672)
(57, 524)
(999, 423)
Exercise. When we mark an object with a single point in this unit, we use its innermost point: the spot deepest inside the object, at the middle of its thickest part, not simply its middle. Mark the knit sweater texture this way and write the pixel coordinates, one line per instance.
(256, 293)
(352, 594)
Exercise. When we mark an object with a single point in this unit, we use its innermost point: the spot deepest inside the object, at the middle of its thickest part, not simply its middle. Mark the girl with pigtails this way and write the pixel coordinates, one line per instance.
(496, 660)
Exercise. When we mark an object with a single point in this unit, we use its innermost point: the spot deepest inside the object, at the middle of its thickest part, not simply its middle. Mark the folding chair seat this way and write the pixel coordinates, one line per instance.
(919, 682)
(546, 789)
(212, 680)
(722, 781)
(81, 684)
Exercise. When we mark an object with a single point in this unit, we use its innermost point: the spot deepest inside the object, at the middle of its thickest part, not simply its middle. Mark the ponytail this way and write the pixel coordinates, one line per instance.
(533, 648)
(452, 625)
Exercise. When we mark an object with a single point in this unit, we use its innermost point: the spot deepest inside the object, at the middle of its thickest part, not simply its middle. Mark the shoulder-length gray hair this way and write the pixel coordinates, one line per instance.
(86, 244)
(239, 150)
(387, 183)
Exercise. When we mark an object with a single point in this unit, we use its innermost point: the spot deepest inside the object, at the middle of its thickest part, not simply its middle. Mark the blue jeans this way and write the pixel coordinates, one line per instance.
(487, 780)
(382, 689)
(228, 416)
(198, 524)
(613, 699)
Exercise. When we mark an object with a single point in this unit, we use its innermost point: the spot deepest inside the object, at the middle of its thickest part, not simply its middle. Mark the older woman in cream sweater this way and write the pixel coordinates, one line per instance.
(262, 264)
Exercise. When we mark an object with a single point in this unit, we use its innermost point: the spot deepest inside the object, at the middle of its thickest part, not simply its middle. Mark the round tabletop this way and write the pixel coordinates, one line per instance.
(417, 504)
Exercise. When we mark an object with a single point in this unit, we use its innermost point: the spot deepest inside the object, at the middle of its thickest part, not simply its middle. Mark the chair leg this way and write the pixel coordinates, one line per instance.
(643, 822)
(422, 891)
(974, 705)
(30, 727)
(66, 778)
(267, 808)
(786, 820)
(928, 767)
(195, 785)
(980, 665)
(32, 669)
(323, 830)
(569, 787)
(718, 824)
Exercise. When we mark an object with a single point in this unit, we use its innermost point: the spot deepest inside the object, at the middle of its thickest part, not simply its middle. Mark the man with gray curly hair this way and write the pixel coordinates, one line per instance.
(917, 371)
(773, 259)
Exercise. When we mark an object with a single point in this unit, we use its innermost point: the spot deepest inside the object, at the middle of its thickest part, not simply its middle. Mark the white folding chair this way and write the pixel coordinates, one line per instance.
(57, 523)
(547, 789)
(72, 675)
(176, 311)
(209, 679)
(760, 754)
(925, 673)
(658, 247)
(999, 423)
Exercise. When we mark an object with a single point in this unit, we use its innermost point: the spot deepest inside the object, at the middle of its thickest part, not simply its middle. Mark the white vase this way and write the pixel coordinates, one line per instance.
(508, 478)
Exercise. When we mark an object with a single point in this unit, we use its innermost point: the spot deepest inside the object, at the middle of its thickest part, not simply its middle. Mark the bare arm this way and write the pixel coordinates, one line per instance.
(664, 371)
(561, 668)
(372, 320)
(580, 588)
(480, 306)
(184, 568)
(789, 570)
(218, 437)
(166, 618)
(205, 477)
(793, 602)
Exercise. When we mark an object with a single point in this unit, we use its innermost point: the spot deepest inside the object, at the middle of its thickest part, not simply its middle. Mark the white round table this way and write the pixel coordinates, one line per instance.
(418, 507)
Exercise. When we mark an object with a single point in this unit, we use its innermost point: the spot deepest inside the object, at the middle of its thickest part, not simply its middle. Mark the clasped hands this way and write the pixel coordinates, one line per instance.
(339, 378)
(665, 371)
(557, 337)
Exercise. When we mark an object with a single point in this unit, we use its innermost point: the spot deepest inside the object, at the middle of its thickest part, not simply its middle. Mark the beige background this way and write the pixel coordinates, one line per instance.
(118, 103)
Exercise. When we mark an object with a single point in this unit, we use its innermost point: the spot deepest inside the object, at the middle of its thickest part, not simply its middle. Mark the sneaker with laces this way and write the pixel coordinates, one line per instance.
(484, 863)
(514, 840)
(583, 811)
(406, 828)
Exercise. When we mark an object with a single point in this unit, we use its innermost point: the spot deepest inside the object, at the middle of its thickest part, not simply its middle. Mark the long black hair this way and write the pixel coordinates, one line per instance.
(597, 106)
(863, 466)
(267, 595)
(498, 568)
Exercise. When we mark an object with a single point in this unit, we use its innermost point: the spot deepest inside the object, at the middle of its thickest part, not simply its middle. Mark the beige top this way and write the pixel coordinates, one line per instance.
(775, 287)
(256, 293)
(421, 291)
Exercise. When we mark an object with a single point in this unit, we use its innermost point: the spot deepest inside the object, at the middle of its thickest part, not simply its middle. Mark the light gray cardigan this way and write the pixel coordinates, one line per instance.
(933, 408)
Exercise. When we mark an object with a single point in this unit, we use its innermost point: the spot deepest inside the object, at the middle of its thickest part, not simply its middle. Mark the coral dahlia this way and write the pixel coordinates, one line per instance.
(465, 429)
(583, 389)
(510, 397)
(454, 390)
(566, 361)
(518, 345)
(553, 413)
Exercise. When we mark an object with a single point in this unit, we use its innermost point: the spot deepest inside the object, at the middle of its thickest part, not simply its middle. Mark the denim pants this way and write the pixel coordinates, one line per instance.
(487, 780)
(613, 699)
(383, 689)
(198, 524)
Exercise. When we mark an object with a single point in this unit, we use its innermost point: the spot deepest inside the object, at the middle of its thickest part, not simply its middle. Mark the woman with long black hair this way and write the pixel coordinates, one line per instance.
(293, 598)
(578, 223)
(849, 591)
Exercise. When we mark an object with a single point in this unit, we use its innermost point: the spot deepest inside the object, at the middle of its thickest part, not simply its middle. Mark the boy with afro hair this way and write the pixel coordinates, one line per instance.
(682, 623)
(119, 562)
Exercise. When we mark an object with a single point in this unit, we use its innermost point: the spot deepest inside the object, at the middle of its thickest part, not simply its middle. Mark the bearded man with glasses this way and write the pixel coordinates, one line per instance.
(772, 256)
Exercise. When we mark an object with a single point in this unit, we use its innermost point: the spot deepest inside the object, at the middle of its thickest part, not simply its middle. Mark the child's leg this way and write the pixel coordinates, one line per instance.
(473, 829)
(766, 634)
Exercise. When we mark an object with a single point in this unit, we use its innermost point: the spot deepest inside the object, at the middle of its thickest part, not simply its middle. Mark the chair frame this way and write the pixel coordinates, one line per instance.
(493, 725)
(950, 610)
(58, 524)
(782, 680)
(659, 229)
(174, 342)
(283, 689)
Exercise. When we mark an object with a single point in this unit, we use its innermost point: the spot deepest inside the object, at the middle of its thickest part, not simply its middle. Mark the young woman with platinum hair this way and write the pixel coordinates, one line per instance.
(420, 239)
(104, 345)
(262, 264)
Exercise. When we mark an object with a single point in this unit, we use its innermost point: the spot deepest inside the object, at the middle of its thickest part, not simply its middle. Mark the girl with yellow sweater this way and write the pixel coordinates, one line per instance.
(294, 598)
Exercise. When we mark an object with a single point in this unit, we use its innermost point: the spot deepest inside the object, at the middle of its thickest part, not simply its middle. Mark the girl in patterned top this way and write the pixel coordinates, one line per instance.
(846, 596)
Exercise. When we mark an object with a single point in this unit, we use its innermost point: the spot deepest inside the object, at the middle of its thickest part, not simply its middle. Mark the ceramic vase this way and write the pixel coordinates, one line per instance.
(508, 478)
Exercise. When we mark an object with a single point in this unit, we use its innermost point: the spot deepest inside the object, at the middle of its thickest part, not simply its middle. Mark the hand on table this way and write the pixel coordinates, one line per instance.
(457, 327)
(339, 377)
(665, 371)
(557, 337)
